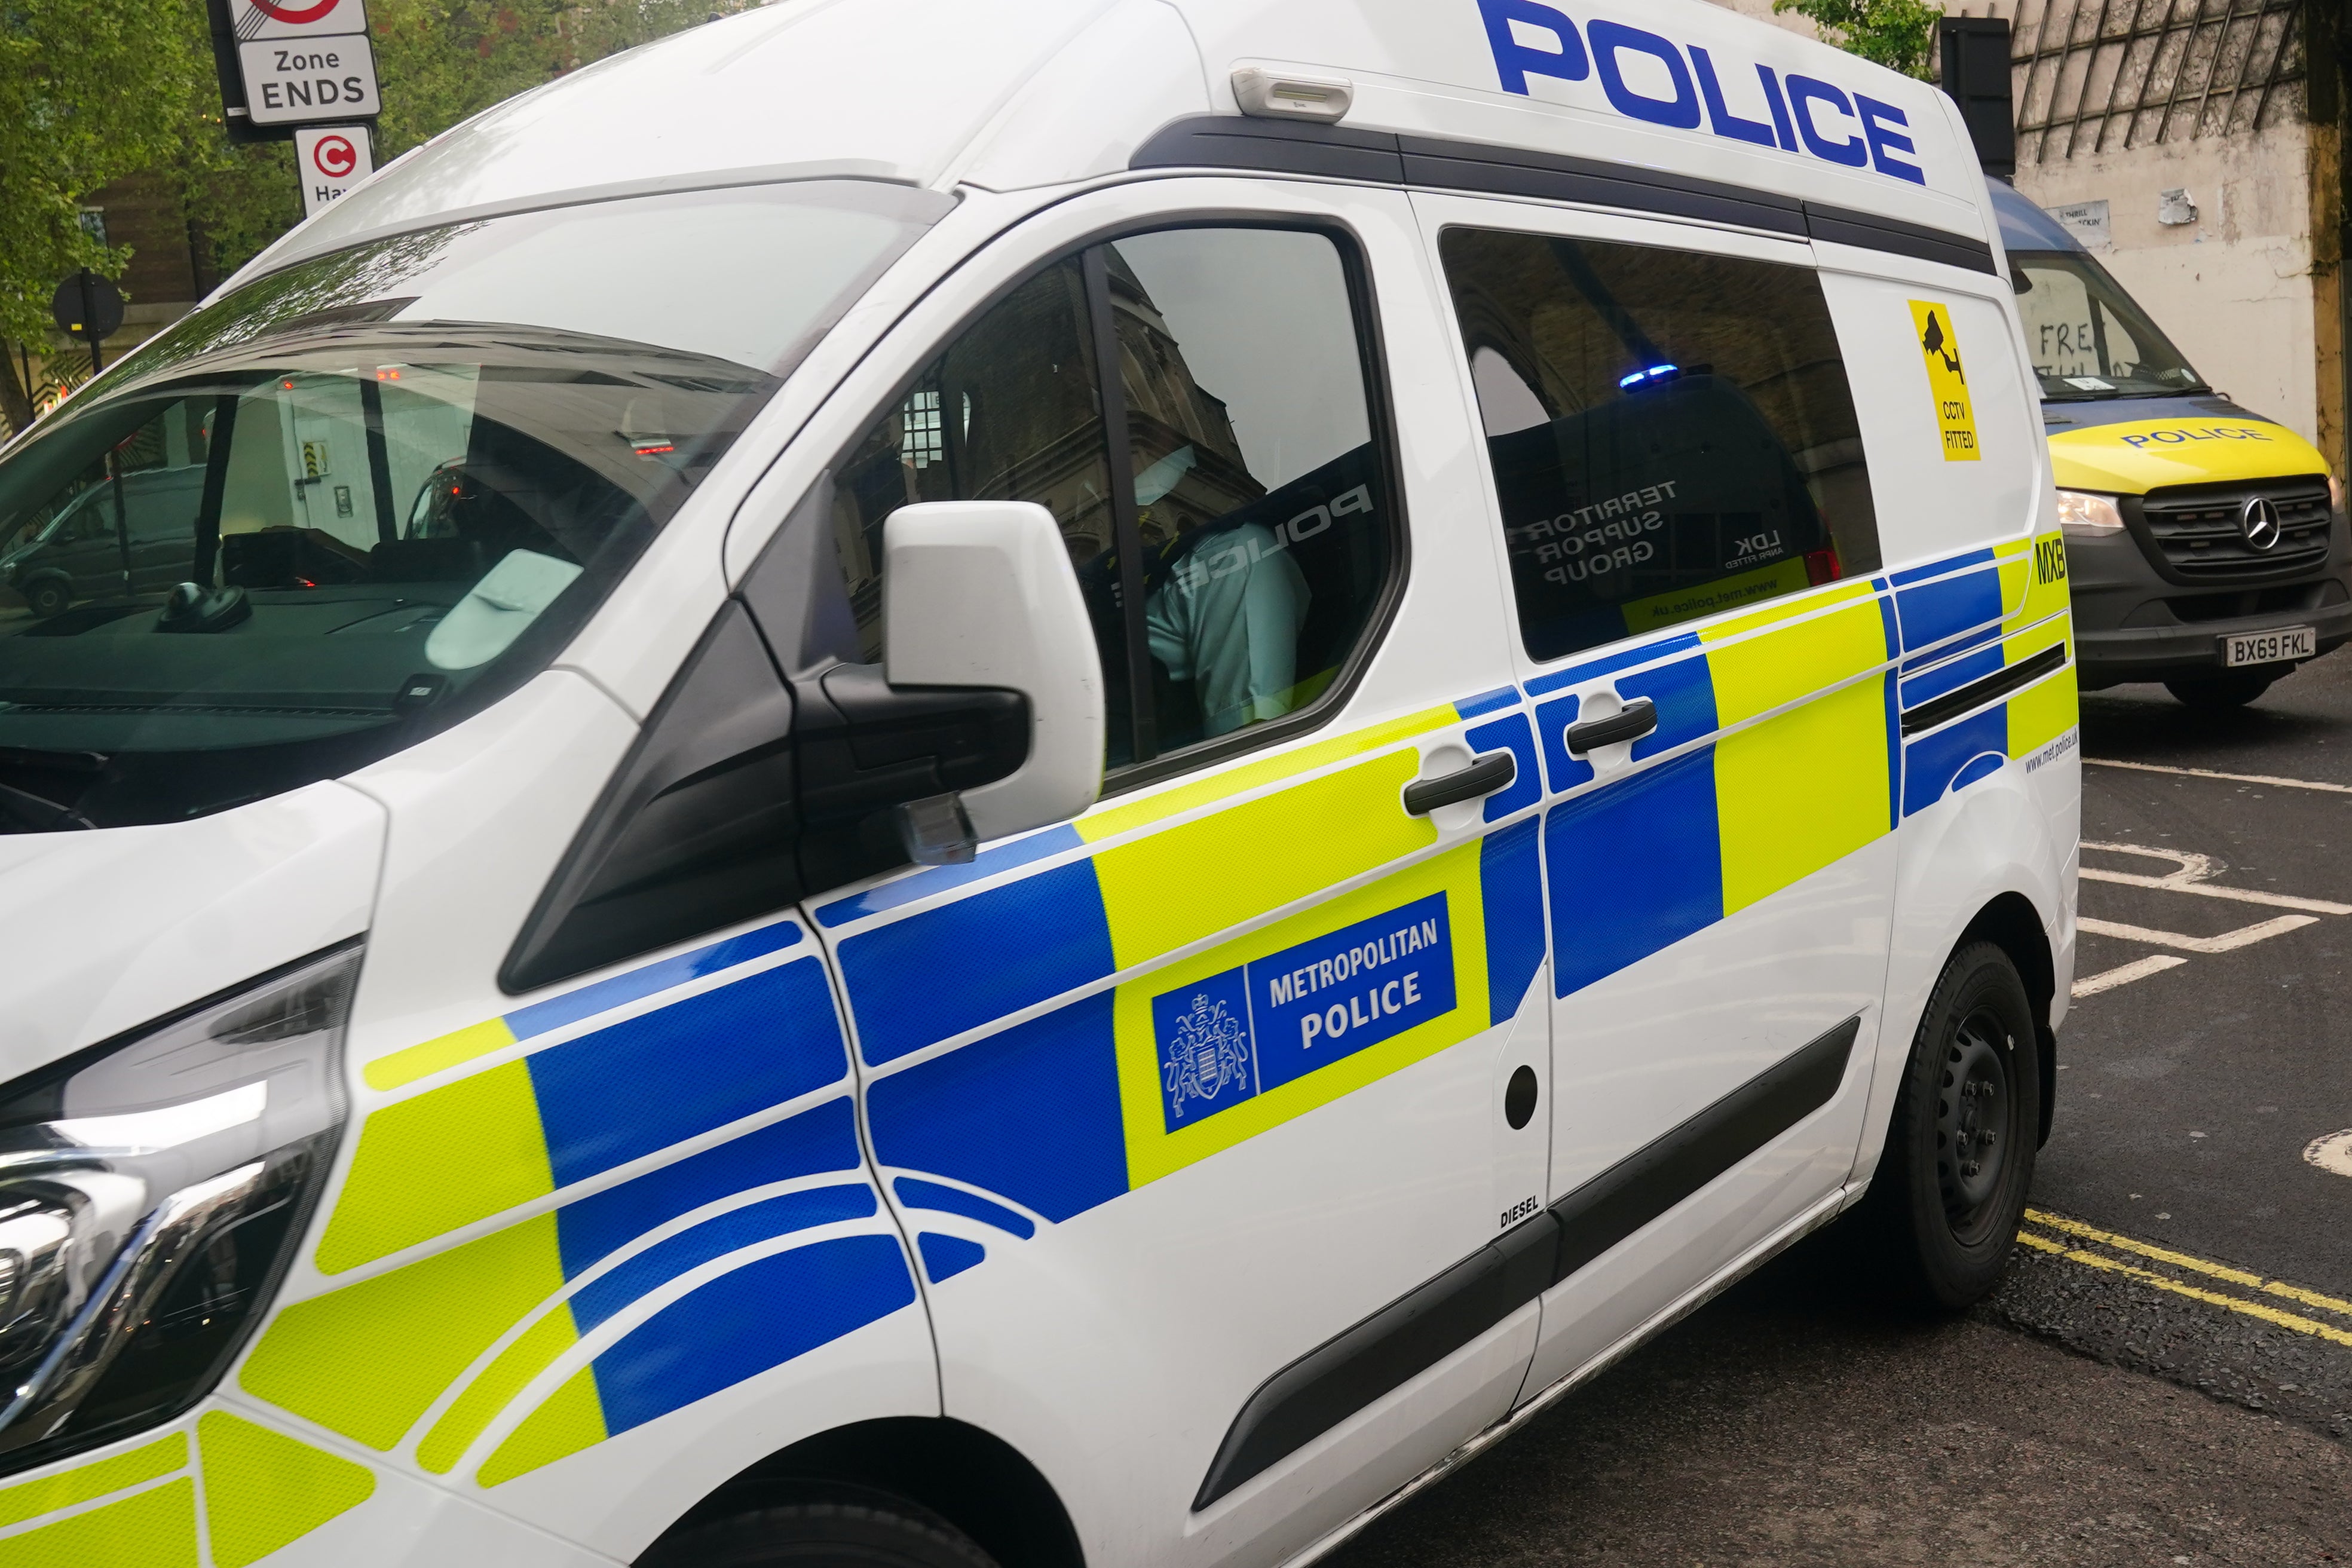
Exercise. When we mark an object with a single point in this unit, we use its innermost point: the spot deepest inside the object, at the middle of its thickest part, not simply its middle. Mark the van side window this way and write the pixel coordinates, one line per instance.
(1240, 553)
(1671, 435)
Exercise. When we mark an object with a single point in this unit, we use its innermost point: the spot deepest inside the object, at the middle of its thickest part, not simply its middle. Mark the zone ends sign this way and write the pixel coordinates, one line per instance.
(294, 82)
(286, 63)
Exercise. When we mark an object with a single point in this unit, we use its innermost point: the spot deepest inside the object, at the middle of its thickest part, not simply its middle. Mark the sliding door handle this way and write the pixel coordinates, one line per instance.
(1490, 773)
(1631, 722)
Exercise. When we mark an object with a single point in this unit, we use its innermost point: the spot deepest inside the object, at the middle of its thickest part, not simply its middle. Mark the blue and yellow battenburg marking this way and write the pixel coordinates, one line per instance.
(1102, 1094)
(369, 1360)
(1787, 754)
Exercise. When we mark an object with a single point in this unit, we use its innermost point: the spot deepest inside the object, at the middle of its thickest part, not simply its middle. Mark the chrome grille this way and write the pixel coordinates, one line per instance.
(2196, 530)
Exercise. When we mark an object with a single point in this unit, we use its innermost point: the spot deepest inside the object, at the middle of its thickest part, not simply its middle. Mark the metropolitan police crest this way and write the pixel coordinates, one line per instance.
(1207, 1052)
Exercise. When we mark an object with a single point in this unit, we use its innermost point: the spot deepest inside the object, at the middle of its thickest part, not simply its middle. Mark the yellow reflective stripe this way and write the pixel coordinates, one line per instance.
(67, 1488)
(572, 1419)
(155, 1528)
(1801, 791)
(1153, 1152)
(2046, 592)
(2051, 705)
(1193, 880)
(445, 1159)
(1111, 821)
(366, 1360)
(1792, 661)
(264, 1490)
(422, 1061)
(492, 1391)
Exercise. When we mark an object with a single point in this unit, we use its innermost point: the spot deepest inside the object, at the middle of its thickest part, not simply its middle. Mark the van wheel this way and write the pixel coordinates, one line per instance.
(837, 1527)
(2234, 690)
(49, 597)
(1951, 1184)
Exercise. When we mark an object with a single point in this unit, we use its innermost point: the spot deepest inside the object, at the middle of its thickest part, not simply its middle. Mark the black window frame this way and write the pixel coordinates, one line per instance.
(1118, 453)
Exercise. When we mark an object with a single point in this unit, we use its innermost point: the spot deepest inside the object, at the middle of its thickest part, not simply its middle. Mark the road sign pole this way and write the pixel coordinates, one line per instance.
(90, 313)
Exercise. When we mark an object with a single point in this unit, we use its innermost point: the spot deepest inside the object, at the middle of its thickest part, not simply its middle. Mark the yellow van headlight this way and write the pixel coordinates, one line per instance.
(2079, 511)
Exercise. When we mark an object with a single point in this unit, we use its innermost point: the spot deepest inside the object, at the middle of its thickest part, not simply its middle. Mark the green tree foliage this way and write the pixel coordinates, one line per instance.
(1897, 33)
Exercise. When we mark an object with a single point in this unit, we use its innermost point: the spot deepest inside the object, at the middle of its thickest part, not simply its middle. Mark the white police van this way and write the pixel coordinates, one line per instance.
(1061, 783)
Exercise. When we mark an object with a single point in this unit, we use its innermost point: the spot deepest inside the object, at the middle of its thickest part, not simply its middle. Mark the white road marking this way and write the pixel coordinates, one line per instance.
(2137, 969)
(2228, 942)
(2191, 879)
(2210, 774)
(2333, 1153)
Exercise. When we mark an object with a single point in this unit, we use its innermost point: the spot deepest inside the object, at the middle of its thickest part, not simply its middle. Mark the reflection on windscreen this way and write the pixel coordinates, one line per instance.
(362, 496)
(2086, 337)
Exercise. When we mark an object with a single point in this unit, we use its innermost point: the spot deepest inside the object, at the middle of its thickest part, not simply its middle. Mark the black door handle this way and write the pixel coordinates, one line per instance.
(1635, 720)
(1490, 773)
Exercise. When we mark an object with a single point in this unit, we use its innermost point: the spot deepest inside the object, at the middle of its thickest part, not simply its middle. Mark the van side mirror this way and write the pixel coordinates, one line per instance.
(981, 594)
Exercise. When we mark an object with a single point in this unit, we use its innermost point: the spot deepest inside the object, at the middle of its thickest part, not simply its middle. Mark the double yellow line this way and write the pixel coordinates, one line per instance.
(2081, 1239)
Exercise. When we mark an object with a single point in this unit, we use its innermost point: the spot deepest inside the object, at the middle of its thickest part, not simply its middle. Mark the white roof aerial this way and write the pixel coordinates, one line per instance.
(1011, 94)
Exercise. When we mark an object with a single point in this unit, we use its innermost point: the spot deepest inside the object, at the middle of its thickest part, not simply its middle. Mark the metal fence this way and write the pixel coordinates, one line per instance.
(2093, 76)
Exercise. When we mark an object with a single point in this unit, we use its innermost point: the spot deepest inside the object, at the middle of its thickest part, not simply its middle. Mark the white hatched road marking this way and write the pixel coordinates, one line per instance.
(2333, 1153)
(2124, 974)
(2210, 774)
(2191, 875)
(2228, 942)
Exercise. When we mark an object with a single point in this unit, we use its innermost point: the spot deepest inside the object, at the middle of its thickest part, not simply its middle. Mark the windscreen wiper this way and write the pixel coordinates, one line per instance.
(24, 811)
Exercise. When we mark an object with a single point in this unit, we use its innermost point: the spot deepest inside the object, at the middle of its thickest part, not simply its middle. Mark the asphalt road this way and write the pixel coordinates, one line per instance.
(2166, 1377)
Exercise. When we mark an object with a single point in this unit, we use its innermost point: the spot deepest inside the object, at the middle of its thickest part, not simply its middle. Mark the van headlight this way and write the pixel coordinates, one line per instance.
(2079, 511)
(151, 1191)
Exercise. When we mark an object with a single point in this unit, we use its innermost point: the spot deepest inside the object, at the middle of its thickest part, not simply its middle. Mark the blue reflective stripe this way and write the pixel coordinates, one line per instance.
(1514, 735)
(657, 1079)
(945, 1257)
(1947, 759)
(606, 994)
(716, 1238)
(1935, 611)
(1977, 638)
(918, 1194)
(1685, 695)
(1488, 702)
(1635, 867)
(918, 981)
(1563, 768)
(1033, 1113)
(1510, 882)
(922, 882)
(824, 1139)
(741, 1323)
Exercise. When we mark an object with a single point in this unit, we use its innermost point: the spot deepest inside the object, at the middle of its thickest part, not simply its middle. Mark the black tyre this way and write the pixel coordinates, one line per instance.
(1951, 1184)
(2233, 689)
(833, 1527)
(49, 597)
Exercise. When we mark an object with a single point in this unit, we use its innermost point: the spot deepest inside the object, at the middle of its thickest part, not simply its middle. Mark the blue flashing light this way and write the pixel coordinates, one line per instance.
(1644, 377)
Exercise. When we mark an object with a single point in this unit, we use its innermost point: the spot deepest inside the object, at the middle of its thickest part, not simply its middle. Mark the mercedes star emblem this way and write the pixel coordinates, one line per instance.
(2258, 523)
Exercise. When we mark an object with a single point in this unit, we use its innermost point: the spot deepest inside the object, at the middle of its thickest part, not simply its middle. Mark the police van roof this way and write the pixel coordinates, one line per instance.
(1016, 94)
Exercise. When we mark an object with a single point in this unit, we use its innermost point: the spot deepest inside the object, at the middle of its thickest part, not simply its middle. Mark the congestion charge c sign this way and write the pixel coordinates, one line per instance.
(334, 155)
(295, 16)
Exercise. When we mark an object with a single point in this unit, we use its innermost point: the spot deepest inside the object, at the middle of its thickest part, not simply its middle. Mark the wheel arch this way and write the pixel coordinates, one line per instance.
(2008, 922)
(972, 1478)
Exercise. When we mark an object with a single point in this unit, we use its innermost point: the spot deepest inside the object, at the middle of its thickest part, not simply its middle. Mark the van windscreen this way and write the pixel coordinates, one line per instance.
(361, 498)
(2088, 338)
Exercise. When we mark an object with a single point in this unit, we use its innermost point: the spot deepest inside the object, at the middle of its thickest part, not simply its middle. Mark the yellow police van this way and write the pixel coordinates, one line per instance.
(2204, 547)
(947, 782)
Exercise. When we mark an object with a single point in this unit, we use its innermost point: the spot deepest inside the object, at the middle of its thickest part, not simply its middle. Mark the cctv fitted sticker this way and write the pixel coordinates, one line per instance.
(1948, 380)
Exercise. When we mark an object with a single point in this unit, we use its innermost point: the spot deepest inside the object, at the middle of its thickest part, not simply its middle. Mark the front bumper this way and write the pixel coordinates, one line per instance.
(2131, 624)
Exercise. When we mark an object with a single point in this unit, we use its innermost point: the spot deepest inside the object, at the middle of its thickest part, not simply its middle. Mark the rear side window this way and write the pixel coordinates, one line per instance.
(1192, 406)
(1671, 435)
